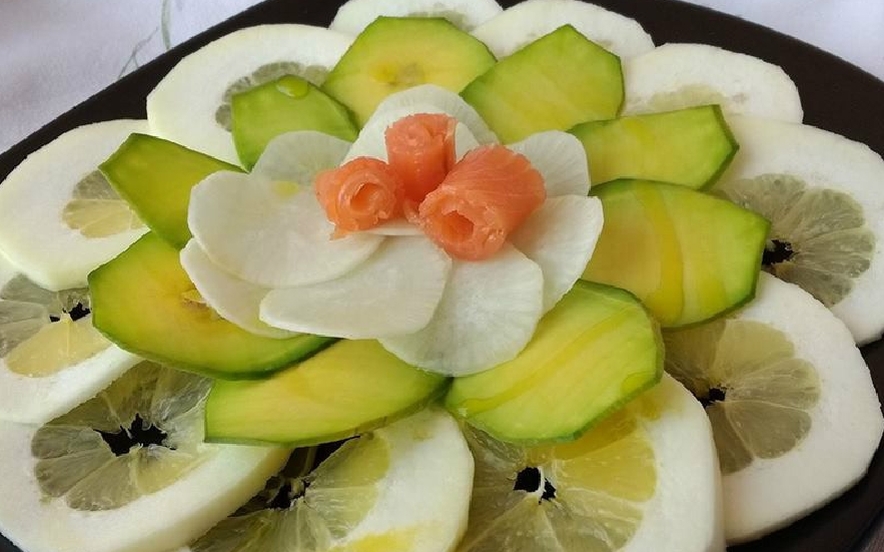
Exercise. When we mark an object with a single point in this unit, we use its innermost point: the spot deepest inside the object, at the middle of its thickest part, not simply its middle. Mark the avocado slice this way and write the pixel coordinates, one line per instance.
(553, 83)
(691, 147)
(687, 255)
(396, 53)
(155, 176)
(144, 302)
(595, 350)
(284, 105)
(349, 388)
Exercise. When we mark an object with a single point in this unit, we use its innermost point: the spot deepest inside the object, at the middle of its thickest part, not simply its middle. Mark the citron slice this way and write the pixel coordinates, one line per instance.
(354, 16)
(59, 218)
(235, 63)
(676, 76)
(370, 495)
(795, 416)
(645, 478)
(98, 211)
(49, 362)
(131, 459)
(822, 195)
(529, 20)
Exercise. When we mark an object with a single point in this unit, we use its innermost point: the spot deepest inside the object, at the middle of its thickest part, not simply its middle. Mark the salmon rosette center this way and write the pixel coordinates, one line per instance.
(425, 233)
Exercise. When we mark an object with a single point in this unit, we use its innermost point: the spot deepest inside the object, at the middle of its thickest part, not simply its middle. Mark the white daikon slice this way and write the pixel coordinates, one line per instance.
(371, 141)
(394, 292)
(298, 156)
(396, 227)
(487, 315)
(447, 102)
(233, 299)
(271, 233)
(560, 237)
(561, 160)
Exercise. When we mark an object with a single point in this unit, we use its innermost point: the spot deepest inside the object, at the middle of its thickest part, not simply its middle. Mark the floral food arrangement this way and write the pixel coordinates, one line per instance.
(441, 277)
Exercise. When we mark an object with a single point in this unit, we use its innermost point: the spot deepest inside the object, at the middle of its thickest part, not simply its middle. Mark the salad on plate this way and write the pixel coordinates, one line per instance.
(441, 277)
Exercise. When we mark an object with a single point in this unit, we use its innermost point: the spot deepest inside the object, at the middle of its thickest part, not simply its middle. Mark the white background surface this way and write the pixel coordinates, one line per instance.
(56, 53)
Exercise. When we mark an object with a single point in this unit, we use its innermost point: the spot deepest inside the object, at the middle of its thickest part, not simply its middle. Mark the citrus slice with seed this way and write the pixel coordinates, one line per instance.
(354, 16)
(822, 195)
(235, 63)
(676, 76)
(132, 459)
(794, 413)
(370, 494)
(51, 358)
(59, 217)
(645, 478)
(529, 20)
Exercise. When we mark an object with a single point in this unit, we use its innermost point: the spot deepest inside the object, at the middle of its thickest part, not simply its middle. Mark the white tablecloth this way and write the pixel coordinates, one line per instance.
(56, 53)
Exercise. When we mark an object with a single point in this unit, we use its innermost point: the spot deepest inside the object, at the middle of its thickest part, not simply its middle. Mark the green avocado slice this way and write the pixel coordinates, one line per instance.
(284, 105)
(155, 176)
(144, 302)
(553, 83)
(595, 350)
(396, 53)
(687, 255)
(348, 389)
(691, 147)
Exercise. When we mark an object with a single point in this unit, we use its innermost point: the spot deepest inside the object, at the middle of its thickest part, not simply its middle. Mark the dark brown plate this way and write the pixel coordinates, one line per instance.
(836, 96)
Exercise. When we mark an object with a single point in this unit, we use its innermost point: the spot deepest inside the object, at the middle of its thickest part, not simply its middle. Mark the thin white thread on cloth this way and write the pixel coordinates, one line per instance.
(54, 55)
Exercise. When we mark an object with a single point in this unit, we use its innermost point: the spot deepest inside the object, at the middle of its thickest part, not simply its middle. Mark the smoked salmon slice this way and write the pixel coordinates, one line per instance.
(421, 150)
(360, 194)
(485, 196)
